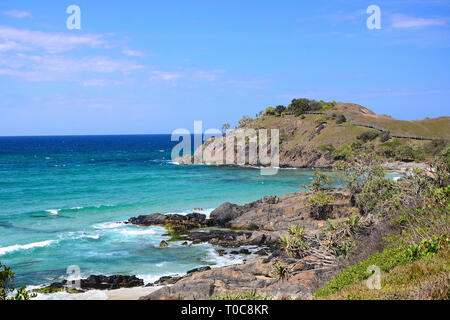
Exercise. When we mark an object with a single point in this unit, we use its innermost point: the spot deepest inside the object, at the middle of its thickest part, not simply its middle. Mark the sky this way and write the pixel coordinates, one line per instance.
(142, 67)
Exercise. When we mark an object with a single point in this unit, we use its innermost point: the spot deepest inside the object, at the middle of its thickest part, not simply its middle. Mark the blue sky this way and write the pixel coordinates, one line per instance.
(153, 66)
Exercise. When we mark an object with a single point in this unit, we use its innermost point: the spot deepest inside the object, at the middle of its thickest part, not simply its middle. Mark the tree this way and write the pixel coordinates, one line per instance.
(269, 111)
(320, 181)
(300, 106)
(6, 286)
(279, 110)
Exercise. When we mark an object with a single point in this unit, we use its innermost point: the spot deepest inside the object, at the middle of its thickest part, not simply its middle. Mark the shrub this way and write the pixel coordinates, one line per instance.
(368, 135)
(280, 110)
(340, 118)
(445, 156)
(385, 136)
(327, 148)
(320, 181)
(435, 147)
(404, 153)
(320, 120)
(427, 247)
(279, 270)
(343, 153)
(296, 230)
(319, 203)
(269, 111)
(376, 193)
(300, 106)
(419, 154)
(6, 286)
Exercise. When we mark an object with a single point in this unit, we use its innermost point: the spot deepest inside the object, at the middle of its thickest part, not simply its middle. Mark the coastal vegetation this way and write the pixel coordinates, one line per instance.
(418, 206)
(7, 291)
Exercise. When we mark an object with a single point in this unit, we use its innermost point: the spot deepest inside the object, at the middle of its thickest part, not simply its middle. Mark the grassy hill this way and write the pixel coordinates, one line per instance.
(314, 138)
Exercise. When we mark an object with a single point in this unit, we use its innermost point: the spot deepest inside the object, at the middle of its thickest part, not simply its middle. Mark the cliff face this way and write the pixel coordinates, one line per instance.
(308, 141)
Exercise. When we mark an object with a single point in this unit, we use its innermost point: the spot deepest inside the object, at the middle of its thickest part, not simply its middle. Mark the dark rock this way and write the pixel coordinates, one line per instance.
(201, 269)
(149, 220)
(99, 282)
(225, 213)
(167, 280)
(244, 251)
(262, 252)
(163, 244)
(270, 199)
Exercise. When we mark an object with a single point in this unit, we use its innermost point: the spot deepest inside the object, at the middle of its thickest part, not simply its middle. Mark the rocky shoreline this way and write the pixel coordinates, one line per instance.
(254, 230)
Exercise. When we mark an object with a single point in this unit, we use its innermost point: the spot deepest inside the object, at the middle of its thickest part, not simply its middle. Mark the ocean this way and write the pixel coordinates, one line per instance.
(63, 201)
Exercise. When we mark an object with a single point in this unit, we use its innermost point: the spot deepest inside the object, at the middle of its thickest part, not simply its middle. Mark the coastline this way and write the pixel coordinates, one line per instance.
(249, 260)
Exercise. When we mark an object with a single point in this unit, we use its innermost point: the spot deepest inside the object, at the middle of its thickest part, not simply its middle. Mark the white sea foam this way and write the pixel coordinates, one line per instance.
(88, 295)
(136, 232)
(109, 225)
(78, 235)
(16, 247)
(53, 211)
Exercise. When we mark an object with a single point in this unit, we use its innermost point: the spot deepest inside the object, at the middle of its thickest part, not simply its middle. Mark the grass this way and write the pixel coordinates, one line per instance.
(385, 260)
(249, 295)
(424, 279)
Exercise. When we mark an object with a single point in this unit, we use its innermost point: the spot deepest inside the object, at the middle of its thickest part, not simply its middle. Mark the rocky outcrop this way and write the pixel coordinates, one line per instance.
(261, 224)
(99, 282)
(177, 222)
(225, 213)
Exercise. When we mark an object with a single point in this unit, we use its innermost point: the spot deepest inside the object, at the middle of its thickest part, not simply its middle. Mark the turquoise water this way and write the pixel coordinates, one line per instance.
(62, 200)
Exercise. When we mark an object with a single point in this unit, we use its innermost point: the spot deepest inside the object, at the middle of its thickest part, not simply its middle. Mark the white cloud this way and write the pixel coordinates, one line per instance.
(132, 53)
(56, 67)
(162, 75)
(404, 21)
(17, 14)
(11, 46)
(50, 42)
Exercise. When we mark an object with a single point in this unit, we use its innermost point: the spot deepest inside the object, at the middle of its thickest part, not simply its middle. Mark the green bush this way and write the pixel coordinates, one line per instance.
(368, 135)
(279, 110)
(343, 153)
(340, 118)
(404, 153)
(320, 119)
(269, 111)
(427, 247)
(419, 154)
(327, 148)
(300, 106)
(435, 147)
(385, 136)
(6, 286)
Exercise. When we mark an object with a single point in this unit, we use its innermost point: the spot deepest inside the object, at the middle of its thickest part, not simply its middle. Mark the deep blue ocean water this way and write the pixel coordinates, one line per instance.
(62, 200)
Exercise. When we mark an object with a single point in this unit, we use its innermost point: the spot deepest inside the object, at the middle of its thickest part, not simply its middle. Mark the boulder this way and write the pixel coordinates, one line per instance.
(149, 220)
(226, 212)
